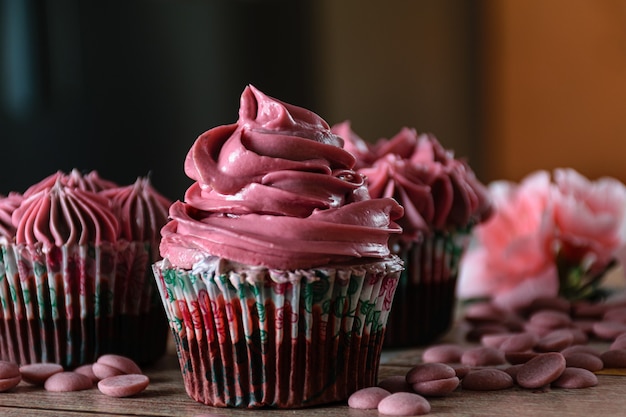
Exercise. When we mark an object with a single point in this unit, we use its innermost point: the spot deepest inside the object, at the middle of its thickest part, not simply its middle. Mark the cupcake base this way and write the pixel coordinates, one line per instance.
(63, 306)
(424, 305)
(309, 338)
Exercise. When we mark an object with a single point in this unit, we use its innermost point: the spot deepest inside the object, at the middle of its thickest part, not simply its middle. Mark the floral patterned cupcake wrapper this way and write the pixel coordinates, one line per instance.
(63, 306)
(423, 307)
(308, 341)
(12, 348)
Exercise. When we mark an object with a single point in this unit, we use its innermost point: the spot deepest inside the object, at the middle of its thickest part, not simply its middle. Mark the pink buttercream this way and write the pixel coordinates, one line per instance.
(8, 204)
(140, 209)
(437, 191)
(354, 144)
(90, 181)
(60, 215)
(277, 190)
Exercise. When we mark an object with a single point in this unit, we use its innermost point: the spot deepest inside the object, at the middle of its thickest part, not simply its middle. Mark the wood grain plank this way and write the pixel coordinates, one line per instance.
(166, 396)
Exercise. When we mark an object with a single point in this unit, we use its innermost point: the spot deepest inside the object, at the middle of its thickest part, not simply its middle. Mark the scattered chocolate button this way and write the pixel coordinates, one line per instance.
(125, 385)
(122, 363)
(9, 369)
(67, 381)
(38, 373)
(483, 356)
(444, 353)
(10, 382)
(487, 379)
(615, 358)
(583, 360)
(576, 378)
(404, 404)
(541, 370)
(87, 370)
(367, 398)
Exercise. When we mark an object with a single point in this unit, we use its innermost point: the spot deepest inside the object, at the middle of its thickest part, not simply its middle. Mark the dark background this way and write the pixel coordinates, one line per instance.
(125, 87)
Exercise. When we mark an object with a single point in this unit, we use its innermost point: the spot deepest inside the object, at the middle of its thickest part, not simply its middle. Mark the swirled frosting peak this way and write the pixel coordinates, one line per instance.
(91, 181)
(438, 191)
(60, 215)
(8, 204)
(276, 189)
(140, 209)
(354, 144)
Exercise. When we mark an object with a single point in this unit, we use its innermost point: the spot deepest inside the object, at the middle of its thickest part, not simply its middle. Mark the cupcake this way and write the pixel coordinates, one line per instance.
(75, 284)
(276, 274)
(442, 201)
(8, 278)
(138, 315)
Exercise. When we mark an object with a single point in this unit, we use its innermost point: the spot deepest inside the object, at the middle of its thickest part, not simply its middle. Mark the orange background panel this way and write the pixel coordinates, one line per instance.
(554, 87)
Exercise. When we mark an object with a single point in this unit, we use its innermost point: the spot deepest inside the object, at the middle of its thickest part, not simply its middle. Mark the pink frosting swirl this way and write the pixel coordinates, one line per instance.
(8, 204)
(276, 190)
(354, 144)
(140, 209)
(63, 215)
(438, 191)
(90, 181)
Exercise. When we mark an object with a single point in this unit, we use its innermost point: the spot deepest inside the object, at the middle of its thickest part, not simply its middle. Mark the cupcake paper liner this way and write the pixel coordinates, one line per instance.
(289, 340)
(424, 305)
(71, 304)
(139, 319)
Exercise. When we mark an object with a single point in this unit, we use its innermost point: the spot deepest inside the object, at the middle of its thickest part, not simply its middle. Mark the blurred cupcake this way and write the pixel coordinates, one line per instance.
(137, 311)
(9, 279)
(62, 268)
(277, 277)
(442, 201)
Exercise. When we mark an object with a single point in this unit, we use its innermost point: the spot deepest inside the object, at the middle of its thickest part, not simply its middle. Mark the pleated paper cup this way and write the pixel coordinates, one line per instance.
(15, 343)
(139, 318)
(424, 304)
(288, 340)
(63, 305)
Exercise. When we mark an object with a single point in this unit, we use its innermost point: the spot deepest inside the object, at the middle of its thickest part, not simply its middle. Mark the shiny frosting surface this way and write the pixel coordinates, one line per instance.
(438, 191)
(277, 190)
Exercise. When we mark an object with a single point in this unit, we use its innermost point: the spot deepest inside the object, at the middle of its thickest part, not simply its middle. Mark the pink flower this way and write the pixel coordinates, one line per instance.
(589, 218)
(545, 238)
(514, 250)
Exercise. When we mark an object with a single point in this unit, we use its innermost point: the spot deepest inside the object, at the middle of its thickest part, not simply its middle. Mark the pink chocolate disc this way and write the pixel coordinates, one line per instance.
(123, 385)
(8, 383)
(541, 370)
(576, 378)
(404, 404)
(367, 398)
(9, 369)
(37, 373)
(67, 381)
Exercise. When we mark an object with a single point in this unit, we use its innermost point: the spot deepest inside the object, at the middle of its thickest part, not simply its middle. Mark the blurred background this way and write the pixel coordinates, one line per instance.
(125, 87)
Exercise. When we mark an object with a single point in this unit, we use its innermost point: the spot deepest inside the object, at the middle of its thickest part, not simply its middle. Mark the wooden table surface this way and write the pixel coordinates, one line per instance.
(166, 397)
